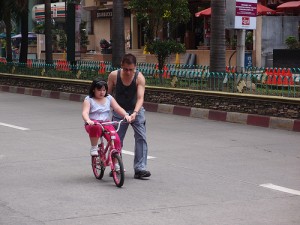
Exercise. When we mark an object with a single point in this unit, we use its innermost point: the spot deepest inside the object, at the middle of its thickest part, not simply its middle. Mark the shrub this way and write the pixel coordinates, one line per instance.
(292, 42)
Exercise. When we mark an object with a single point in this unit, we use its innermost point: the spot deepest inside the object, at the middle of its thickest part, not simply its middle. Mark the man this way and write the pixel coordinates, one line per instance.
(129, 87)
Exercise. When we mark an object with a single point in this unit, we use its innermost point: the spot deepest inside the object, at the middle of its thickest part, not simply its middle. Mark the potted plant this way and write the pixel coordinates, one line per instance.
(105, 46)
(292, 42)
(287, 58)
(249, 40)
(62, 43)
(84, 39)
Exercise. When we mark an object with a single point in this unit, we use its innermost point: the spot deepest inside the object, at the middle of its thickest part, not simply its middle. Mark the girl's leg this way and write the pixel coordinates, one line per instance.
(94, 134)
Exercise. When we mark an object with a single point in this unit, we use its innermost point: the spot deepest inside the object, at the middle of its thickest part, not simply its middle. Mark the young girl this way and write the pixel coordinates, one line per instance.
(96, 107)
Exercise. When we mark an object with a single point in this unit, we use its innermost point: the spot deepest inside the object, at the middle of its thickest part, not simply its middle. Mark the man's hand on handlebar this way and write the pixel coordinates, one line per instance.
(127, 118)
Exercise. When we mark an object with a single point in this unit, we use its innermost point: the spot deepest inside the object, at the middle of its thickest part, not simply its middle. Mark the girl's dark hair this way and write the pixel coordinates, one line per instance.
(97, 83)
(129, 59)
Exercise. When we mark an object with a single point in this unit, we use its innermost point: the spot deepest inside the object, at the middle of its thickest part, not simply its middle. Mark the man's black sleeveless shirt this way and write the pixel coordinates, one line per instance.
(126, 95)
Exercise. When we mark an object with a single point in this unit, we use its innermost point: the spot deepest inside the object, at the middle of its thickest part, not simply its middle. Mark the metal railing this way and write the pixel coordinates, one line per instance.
(259, 81)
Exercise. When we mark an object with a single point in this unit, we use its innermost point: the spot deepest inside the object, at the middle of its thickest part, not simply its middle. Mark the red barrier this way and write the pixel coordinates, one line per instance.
(102, 67)
(62, 65)
(29, 63)
(3, 60)
(165, 71)
(279, 76)
(230, 69)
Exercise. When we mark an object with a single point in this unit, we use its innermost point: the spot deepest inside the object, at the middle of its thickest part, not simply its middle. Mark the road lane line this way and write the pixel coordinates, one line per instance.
(13, 126)
(131, 153)
(279, 188)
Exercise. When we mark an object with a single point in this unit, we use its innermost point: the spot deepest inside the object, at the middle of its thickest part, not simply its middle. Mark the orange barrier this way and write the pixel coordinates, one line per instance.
(230, 69)
(62, 65)
(279, 76)
(165, 71)
(102, 67)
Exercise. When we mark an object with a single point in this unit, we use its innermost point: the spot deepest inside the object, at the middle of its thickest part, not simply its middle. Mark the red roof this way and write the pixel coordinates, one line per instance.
(261, 10)
(205, 12)
(292, 4)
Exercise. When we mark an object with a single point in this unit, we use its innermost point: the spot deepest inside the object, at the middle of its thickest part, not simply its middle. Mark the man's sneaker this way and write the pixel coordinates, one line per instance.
(94, 152)
(141, 174)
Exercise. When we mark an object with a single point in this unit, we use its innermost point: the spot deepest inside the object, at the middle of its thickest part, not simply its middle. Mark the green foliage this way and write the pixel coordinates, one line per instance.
(155, 13)
(249, 38)
(162, 49)
(3, 43)
(292, 42)
(84, 39)
(39, 28)
(62, 43)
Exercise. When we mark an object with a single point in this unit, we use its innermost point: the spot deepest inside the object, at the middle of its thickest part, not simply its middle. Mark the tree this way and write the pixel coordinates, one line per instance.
(48, 32)
(162, 49)
(118, 36)
(6, 8)
(153, 14)
(217, 41)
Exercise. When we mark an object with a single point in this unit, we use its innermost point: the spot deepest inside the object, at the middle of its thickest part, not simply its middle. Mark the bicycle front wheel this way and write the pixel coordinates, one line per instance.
(118, 170)
(98, 167)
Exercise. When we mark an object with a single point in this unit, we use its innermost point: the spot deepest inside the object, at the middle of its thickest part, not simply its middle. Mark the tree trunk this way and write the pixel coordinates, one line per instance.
(118, 36)
(7, 21)
(48, 33)
(217, 42)
(24, 32)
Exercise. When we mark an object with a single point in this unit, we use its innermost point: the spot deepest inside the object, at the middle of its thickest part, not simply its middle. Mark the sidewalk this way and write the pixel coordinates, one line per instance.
(233, 117)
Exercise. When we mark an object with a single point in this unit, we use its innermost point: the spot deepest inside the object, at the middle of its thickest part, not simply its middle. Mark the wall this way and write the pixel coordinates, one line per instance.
(233, 102)
(274, 31)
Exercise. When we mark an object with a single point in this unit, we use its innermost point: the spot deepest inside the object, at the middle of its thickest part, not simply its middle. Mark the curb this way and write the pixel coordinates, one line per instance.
(210, 114)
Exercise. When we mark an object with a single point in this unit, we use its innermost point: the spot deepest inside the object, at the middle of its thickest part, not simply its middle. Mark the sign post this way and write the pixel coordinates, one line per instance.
(241, 15)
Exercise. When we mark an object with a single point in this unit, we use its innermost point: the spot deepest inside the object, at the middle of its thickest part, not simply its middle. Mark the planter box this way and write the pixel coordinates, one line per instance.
(286, 58)
(106, 51)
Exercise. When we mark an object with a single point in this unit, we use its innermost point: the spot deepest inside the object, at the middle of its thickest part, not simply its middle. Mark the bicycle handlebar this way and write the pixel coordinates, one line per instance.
(111, 123)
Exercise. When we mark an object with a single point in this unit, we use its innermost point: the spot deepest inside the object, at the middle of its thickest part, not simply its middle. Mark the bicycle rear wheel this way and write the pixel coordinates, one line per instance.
(118, 175)
(97, 166)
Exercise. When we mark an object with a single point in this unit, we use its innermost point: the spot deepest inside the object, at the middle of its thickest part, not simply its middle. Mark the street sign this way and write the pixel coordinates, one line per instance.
(241, 14)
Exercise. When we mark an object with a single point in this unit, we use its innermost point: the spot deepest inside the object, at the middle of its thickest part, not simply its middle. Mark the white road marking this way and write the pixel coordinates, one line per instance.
(13, 126)
(131, 153)
(279, 188)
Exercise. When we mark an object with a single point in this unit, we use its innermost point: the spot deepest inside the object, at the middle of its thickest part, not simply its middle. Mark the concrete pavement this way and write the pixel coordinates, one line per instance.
(203, 171)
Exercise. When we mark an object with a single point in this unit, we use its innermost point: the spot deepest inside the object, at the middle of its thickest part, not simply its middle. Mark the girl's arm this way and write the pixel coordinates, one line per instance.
(85, 112)
(119, 109)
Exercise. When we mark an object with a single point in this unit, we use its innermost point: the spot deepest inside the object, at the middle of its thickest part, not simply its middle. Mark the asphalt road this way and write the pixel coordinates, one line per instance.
(203, 172)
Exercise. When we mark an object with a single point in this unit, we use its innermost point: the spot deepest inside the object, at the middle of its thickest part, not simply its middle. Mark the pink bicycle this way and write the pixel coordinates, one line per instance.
(109, 156)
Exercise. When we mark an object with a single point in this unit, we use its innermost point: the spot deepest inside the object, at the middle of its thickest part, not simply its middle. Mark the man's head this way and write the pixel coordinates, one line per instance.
(129, 59)
(128, 63)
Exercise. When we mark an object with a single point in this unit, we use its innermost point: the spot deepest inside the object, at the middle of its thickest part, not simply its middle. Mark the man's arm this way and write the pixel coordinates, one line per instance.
(111, 81)
(140, 92)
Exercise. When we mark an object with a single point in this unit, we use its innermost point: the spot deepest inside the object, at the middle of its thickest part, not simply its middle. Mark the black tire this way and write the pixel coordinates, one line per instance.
(118, 176)
(97, 166)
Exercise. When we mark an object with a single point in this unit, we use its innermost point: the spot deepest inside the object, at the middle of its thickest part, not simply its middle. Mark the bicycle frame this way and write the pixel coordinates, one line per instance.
(108, 155)
(110, 147)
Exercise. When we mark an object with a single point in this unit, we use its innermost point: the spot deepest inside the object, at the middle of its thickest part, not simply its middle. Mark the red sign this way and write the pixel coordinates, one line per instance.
(245, 20)
(246, 9)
